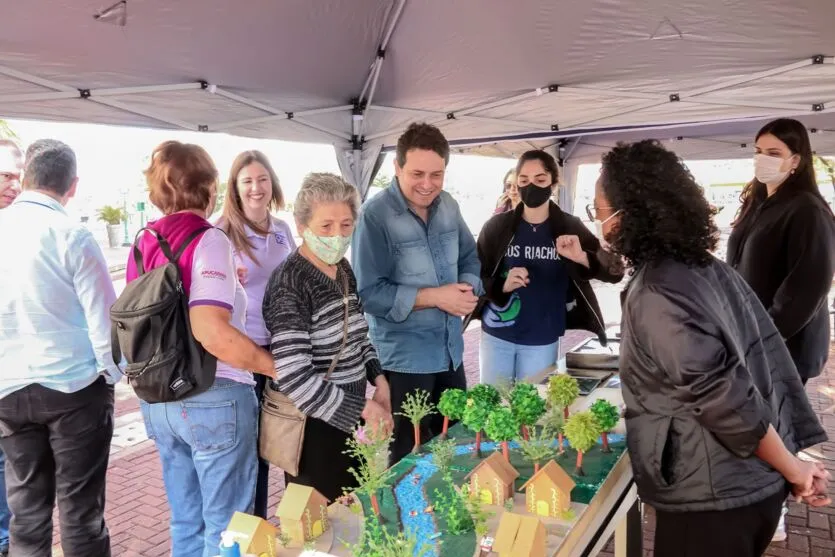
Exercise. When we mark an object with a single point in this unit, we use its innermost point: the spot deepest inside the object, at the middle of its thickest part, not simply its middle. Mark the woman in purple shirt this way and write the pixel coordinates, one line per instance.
(260, 243)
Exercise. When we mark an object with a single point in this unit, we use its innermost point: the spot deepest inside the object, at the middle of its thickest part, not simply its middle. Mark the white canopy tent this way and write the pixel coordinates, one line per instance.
(497, 76)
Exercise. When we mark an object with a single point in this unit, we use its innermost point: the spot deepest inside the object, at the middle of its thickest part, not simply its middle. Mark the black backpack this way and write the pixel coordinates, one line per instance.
(151, 328)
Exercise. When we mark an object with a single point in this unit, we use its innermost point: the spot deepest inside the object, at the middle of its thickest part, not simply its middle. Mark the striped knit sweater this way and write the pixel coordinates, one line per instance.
(304, 313)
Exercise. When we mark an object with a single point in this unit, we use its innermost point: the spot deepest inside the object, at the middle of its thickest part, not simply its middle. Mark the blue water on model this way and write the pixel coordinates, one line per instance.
(411, 496)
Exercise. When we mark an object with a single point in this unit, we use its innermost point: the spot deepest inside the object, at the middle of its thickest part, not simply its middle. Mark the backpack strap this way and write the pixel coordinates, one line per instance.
(164, 246)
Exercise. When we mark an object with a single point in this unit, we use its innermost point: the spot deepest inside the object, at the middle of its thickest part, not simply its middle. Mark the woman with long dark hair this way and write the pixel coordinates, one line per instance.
(783, 242)
(260, 243)
(536, 264)
(715, 410)
(782, 245)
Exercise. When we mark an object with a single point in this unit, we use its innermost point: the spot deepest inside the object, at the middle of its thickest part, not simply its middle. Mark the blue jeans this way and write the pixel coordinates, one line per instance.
(5, 513)
(208, 445)
(504, 362)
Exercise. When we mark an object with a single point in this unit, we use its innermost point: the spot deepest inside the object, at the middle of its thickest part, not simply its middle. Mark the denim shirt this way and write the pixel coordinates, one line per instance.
(396, 253)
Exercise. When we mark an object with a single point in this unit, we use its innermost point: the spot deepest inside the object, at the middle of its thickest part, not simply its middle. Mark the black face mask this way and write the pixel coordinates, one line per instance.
(533, 196)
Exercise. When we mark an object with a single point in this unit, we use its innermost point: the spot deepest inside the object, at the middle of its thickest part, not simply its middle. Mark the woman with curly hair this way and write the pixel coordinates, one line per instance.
(715, 410)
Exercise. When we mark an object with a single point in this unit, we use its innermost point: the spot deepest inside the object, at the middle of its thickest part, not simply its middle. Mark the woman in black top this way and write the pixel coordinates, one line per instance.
(715, 412)
(536, 264)
(783, 242)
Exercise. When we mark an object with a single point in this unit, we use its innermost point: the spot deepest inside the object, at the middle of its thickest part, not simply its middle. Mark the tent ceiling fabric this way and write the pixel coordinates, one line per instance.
(480, 69)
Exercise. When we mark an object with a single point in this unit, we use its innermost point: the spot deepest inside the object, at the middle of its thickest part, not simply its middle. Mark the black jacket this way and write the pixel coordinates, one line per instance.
(785, 249)
(704, 372)
(498, 233)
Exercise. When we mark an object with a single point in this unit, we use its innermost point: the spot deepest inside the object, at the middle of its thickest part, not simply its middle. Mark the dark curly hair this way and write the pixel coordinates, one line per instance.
(663, 211)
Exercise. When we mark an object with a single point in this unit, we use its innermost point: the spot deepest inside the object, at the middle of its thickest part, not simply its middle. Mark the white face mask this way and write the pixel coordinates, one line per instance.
(598, 225)
(767, 169)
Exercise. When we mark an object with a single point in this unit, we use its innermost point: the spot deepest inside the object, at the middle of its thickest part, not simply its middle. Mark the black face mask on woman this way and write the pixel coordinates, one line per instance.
(534, 196)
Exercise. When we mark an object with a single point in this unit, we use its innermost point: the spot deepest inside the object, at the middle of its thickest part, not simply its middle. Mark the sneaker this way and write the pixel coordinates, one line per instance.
(780, 533)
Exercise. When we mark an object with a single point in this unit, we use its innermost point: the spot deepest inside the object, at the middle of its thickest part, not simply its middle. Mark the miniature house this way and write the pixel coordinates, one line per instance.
(255, 535)
(492, 480)
(548, 492)
(519, 536)
(303, 513)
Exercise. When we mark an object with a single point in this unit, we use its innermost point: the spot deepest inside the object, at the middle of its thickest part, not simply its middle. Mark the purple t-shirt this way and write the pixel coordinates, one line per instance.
(214, 283)
(270, 251)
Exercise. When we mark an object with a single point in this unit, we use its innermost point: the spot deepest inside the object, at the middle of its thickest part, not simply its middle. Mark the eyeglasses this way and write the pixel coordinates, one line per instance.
(592, 211)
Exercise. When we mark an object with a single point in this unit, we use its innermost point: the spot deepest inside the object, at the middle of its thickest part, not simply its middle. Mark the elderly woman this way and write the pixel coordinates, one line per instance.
(715, 410)
(304, 310)
(207, 443)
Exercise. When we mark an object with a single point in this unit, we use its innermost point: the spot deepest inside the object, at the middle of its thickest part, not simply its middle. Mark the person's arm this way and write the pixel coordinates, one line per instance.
(373, 264)
(469, 266)
(712, 384)
(95, 292)
(601, 265)
(211, 303)
(809, 259)
(288, 318)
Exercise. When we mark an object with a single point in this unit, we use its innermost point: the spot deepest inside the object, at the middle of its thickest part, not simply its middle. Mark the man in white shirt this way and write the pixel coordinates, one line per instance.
(11, 165)
(56, 369)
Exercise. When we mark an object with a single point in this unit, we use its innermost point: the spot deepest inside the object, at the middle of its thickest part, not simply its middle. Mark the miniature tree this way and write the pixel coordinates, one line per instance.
(371, 451)
(582, 431)
(451, 406)
(563, 390)
(443, 451)
(537, 448)
(481, 399)
(502, 427)
(554, 424)
(416, 406)
(607, 416)
(527, 406)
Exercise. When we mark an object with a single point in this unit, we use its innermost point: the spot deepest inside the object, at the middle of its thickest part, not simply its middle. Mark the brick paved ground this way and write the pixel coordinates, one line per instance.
(137, 511)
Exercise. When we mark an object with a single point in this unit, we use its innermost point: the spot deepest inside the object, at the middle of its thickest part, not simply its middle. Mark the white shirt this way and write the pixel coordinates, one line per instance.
(55, 298)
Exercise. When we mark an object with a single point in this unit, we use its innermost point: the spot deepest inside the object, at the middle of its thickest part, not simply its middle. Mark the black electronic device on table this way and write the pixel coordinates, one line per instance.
(594, 356)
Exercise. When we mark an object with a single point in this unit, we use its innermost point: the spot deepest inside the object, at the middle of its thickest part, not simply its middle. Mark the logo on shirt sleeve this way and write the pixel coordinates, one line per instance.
(212, 274)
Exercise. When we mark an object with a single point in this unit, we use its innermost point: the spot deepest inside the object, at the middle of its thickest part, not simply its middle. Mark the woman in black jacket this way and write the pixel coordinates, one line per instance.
(783, 242)
(715, 410)
(536, 262)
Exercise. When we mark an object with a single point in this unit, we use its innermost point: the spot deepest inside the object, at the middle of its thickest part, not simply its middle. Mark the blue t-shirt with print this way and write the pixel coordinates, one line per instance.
(535, 314)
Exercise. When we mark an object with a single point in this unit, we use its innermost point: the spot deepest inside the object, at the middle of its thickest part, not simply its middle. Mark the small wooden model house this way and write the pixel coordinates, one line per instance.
(548, 492)
(520, 536)
(493, 480)
(303, 513)
(255, 535)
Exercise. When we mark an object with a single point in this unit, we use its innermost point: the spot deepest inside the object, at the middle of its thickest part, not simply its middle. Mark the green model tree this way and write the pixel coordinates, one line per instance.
(527, 406)
(451, 406)
(443, 451)
(563, 390)
(501, 426)
(538, 447)
(554, 423)
(416, 406)
(607, 416)
(370, 448)
(481, 400)
(582, 431)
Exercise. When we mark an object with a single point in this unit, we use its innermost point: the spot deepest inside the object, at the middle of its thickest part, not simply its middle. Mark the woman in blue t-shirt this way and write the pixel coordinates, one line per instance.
(536, 263)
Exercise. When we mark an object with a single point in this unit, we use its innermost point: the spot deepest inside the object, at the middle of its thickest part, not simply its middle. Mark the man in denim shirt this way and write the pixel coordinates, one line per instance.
(418, 274)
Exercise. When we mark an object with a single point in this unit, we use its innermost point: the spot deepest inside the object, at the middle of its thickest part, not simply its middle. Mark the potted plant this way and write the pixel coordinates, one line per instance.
(113, 217)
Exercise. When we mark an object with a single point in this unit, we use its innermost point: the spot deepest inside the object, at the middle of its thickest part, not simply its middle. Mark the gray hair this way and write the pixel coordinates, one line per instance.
(323, 187)
(50, 165)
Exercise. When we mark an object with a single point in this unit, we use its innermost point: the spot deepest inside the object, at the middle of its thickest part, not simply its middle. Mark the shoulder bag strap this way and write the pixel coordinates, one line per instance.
(344, 325)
